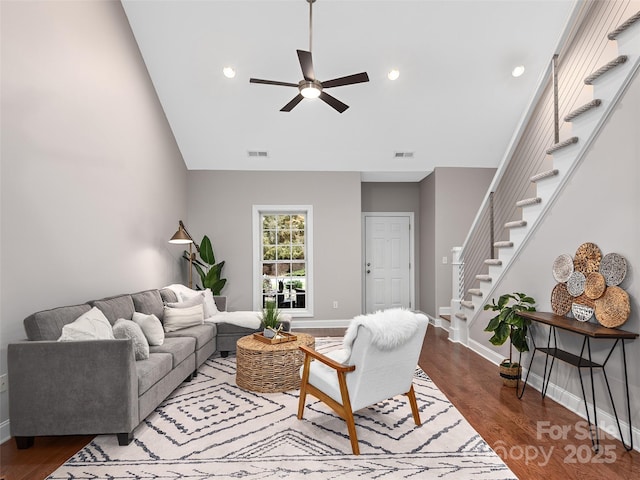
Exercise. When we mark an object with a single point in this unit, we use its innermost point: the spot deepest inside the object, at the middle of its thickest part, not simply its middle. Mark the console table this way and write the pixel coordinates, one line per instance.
(588, 331)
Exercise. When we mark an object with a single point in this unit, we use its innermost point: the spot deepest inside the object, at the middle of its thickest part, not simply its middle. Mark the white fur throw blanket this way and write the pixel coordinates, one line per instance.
(389, 328)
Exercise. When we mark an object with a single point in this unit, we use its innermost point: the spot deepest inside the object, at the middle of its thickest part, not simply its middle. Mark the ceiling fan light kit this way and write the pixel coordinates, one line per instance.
(310, 87)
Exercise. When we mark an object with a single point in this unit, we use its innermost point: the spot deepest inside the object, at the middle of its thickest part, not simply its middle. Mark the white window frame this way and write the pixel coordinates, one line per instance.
(258, 211)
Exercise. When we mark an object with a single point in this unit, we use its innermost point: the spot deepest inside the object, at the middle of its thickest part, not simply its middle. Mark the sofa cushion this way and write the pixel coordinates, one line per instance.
(152, 370)
(202, 333)
(130, 329)
(47, 325)
(149, 302)
(119, 306)
(92, 325)
(179, 348)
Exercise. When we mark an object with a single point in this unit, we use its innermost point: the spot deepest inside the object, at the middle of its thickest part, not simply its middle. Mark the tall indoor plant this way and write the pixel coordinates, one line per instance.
(209, 271)
(508, 324)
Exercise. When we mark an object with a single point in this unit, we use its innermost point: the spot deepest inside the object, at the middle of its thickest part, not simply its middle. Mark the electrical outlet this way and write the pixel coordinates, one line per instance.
(3, 383)
(444, 260)
(335, 304)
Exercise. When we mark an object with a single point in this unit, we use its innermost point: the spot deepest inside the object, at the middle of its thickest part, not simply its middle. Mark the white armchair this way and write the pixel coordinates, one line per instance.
(378, 362)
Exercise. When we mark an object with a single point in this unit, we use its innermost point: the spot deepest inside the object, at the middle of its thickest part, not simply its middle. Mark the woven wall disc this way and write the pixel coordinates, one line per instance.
(595, 285)
(614, 268)
(586, 301)
(575, 284)
(581, 312)
(561, 300)
(613, 308)
(562, 268)
(587, 258)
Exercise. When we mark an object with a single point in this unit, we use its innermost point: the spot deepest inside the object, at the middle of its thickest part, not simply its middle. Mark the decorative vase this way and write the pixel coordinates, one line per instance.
(510, 373)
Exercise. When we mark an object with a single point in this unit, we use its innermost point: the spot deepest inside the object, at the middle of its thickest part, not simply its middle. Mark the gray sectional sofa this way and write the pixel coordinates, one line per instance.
(97, 386)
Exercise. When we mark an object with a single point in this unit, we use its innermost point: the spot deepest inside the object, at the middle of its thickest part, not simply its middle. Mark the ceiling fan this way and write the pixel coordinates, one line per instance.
(310, 86)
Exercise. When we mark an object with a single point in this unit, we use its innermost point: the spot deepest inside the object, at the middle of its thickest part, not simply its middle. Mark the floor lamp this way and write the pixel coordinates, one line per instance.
(182, 237)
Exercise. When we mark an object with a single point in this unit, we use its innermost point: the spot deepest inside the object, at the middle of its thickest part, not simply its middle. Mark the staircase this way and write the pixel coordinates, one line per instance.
(582, 125)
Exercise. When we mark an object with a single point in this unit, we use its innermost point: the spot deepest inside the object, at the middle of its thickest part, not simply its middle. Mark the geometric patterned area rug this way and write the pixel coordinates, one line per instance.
(210, 428)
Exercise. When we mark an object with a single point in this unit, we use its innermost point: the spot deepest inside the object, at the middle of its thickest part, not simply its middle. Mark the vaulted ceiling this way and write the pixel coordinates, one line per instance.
(455, 103)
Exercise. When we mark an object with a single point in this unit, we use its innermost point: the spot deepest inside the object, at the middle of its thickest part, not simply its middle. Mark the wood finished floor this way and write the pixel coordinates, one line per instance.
(474, 387)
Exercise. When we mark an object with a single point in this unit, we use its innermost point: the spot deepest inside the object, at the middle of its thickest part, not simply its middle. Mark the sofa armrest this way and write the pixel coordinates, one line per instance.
(221, 302)
(71, 388)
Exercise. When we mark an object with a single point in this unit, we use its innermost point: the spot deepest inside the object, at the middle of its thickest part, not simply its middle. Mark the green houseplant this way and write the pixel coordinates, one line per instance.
(270, 319)
(508, 324)
(209, 271)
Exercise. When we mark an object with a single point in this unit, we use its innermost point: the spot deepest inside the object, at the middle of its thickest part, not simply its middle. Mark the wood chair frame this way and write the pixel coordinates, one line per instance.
(343, 410)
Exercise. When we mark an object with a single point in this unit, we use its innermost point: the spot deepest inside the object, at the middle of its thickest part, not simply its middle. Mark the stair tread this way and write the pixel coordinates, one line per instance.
(528, 201)
(486, 278)
(461, 316)
(467, 304)
(516, 224)
(613, 35)
(493, 261)
(605, 68)
(475, 291)
(543, 175)
(505, 243)
(583, 109)
(565, 143)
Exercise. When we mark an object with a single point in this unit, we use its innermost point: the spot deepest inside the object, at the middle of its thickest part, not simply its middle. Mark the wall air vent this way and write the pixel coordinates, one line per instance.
(403, 155)
(258, 153)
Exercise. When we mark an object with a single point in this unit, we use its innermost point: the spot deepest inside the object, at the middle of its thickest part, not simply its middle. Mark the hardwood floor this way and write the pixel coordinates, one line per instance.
(509, 425)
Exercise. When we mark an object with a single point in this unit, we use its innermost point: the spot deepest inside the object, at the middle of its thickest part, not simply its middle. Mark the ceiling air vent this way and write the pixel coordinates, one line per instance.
(403, 155)
(258, 153)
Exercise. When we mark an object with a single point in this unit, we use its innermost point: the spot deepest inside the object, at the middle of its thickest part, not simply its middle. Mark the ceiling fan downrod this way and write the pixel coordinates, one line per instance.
(311, 2)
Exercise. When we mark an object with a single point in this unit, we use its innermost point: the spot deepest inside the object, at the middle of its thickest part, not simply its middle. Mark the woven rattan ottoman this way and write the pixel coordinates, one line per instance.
(268, 368)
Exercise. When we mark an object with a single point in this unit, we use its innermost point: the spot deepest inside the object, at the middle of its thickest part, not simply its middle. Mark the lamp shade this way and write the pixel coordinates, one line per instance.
(181, 237)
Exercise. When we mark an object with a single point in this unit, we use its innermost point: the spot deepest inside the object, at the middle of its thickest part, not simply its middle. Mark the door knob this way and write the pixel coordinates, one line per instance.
(368, 264)
(368, 271)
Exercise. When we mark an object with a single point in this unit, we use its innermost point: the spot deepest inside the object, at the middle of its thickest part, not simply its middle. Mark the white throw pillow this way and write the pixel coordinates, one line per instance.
(177, 318)
(130, 329)
(92, 325)
(197, 299)
(210, 307)
(151, 327)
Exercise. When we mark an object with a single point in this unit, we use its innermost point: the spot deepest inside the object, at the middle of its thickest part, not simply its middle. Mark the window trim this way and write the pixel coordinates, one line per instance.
(257, 211)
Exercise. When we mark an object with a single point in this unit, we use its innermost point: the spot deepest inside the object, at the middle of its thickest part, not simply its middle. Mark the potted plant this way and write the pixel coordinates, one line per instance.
(209, 271)
(270, 319)
(507, 324)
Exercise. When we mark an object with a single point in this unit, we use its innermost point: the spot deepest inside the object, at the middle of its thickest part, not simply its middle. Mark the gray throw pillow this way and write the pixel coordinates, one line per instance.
(130, 329)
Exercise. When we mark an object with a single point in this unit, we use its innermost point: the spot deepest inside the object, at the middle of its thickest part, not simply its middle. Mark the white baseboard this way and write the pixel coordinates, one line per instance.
(304, 324)
(5, 433)
(571, 402)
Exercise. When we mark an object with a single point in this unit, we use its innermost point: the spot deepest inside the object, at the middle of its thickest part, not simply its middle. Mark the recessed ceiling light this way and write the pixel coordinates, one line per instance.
(517, 71)
(229, 72)
(393, 74)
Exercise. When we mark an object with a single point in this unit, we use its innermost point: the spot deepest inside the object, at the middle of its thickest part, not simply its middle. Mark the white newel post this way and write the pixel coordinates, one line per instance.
(458, 330)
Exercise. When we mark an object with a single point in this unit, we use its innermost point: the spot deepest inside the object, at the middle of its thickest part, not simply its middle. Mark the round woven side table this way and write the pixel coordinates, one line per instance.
(268, 368)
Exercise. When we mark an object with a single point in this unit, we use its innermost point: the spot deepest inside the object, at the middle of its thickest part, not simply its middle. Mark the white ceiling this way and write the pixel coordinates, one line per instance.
(454, 105)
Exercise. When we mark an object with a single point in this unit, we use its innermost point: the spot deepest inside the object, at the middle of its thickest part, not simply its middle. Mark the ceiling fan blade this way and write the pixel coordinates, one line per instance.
(272, 82)
(306, 64)
(289, 106)
(334, 102)
(348, 80)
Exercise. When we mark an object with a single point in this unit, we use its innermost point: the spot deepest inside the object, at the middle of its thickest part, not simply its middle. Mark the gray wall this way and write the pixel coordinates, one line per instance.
(455, 194)
(220, 206)
(92, 181)
(599, 208)
(397, 197)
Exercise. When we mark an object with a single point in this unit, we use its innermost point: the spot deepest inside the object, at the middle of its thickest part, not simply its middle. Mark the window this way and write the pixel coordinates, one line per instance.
(282, 258)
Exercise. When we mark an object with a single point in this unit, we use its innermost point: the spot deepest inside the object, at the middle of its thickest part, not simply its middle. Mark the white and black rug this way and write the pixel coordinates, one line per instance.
(210, 428)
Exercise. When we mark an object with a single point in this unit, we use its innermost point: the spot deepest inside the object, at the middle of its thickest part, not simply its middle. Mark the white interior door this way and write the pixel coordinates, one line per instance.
(387, 262)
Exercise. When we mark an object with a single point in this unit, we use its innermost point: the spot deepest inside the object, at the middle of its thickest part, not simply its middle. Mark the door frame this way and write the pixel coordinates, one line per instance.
(412, 256)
